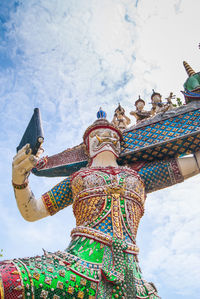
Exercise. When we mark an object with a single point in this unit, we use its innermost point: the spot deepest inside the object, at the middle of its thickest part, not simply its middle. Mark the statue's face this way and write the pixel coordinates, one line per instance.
(156, 98)
(140, 106)
(101, 140)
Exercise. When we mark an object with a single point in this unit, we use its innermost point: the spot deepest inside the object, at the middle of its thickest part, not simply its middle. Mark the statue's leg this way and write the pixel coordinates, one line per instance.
(121, 277)
(142, 288)
(51, 276)
(88, 269)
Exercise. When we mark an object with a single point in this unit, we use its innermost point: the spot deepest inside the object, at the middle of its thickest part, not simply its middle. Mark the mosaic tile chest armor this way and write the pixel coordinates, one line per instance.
(110, 200)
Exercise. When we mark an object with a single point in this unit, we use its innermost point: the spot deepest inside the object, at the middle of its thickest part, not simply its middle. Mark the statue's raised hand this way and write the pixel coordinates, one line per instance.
(30, 208)
(23, 162)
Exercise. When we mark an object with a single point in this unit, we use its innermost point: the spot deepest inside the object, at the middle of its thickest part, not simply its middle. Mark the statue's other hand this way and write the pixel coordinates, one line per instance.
(23, 162)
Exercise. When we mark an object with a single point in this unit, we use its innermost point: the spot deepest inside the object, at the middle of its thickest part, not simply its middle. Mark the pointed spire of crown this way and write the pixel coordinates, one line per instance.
(101, 114)
(119, 107)
(188, 69)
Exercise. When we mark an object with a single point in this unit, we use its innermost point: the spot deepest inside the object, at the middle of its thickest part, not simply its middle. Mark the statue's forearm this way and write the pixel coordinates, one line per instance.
(30, 208)
(189, 166)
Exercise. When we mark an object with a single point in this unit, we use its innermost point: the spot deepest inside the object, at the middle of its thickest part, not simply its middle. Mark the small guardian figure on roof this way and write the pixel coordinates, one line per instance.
(169, 101)
(156, 101)
(140, 114)
(120, 120)
(157, 104)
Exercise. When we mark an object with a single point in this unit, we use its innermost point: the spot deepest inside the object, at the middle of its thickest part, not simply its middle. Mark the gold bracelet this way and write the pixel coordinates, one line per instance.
(20, 187)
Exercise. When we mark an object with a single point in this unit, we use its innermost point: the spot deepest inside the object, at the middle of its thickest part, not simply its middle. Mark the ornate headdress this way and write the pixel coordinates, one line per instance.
(139, 100)
(155, 93)
(100, 123)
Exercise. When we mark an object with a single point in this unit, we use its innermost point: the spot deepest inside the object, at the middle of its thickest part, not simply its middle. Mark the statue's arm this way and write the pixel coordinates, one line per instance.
(128, 121)
(161, 174)
(33, 209)
(59, 197)
(30, 208)
(189, 166)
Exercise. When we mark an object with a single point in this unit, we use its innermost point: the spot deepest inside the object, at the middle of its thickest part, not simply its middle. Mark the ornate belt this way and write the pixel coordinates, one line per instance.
(98, 236)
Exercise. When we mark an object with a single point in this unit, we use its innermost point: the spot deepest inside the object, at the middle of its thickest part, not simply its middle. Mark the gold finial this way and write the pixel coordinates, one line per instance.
(188, 69)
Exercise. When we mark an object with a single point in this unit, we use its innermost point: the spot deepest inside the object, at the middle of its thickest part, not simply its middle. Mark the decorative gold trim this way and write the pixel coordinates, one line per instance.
(29, 276)
(101, 237)
(50, 203)
(21, 279)
(1, 289)
(116, 216)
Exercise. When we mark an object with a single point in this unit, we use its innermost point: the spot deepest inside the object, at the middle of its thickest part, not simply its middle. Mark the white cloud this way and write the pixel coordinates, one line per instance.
(70, 56)
(167, 36)
(173, 252)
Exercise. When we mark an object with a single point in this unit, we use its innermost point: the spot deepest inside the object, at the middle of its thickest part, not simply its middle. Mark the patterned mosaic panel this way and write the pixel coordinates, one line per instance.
(168, 138)
(48, 277)
(58, 197)
(160, 174)
(13, 284)
(105, 225)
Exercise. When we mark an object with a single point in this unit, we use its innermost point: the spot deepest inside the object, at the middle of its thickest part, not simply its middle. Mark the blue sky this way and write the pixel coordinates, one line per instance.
(69, 58)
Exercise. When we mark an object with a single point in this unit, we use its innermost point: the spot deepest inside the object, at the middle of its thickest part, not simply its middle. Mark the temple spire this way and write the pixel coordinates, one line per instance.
(188, 69)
